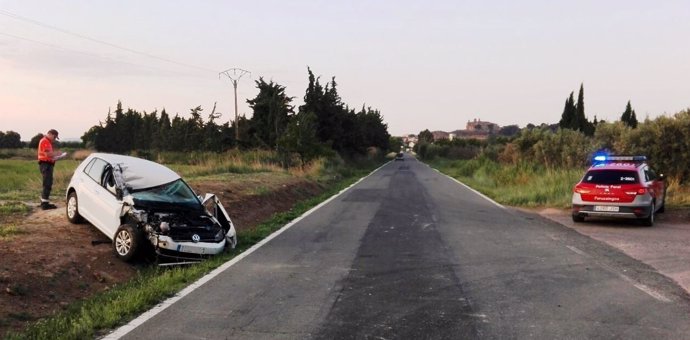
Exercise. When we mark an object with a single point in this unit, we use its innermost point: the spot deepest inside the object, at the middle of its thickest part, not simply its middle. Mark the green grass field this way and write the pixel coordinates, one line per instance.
(20, 180)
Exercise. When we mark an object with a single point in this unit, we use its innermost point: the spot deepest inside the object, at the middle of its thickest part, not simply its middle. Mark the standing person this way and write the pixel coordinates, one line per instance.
(46, 162)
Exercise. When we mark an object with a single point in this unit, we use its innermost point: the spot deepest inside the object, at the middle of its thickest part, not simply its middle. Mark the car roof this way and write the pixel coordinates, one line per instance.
(139, 173)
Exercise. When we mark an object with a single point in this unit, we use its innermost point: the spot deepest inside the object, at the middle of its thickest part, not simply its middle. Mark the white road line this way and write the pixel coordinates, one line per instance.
(123, 330)
(577, 251)
(471, 189)
(647, 290)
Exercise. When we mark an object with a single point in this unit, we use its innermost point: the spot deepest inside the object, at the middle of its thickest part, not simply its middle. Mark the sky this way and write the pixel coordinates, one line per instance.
(424, 64)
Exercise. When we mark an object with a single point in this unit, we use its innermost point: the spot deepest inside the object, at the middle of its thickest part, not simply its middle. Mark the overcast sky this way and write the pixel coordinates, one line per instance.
(423, 64)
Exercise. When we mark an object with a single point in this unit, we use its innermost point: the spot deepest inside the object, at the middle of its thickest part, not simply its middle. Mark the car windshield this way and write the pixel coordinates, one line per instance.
(176, 192)
(610, 177)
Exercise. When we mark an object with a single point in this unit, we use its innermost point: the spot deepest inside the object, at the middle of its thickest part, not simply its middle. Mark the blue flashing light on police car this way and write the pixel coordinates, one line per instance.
(600, 159)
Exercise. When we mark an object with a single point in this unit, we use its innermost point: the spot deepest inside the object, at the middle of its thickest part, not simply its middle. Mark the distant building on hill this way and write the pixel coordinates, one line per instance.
(478, 125)
(474, 129)
(477, 129)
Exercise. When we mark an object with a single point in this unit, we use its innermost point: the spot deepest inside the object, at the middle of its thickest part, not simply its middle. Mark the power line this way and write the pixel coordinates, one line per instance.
(89, 54)
(38, 23)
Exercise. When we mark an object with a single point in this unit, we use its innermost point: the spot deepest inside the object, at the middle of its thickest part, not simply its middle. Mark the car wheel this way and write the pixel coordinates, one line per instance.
(578, 218)
(127, 242)
(72, 209)
(662, 208)
(649, 220)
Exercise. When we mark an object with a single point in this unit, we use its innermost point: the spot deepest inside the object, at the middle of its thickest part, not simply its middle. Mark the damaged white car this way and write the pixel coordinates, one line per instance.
(136, 202)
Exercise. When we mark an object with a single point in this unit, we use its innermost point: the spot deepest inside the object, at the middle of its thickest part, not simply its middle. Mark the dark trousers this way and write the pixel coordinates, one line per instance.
(47, 174)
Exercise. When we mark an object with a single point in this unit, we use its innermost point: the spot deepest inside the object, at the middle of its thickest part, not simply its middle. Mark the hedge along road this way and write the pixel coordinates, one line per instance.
(410, 253)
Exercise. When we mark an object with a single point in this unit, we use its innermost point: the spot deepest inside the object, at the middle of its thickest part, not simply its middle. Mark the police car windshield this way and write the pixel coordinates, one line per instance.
(610, 177)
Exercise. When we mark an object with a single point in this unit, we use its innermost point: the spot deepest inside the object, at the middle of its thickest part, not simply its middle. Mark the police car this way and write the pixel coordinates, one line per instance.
(619, 187)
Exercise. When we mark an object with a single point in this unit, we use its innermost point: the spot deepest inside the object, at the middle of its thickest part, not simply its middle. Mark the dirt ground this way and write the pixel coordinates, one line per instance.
(53, 263)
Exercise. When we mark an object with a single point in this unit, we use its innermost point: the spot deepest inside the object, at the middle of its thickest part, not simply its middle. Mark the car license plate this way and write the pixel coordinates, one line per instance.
(192, 250)
(605, 208)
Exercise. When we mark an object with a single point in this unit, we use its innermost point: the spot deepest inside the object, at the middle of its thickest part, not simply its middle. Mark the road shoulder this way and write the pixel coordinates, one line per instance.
(663, 247)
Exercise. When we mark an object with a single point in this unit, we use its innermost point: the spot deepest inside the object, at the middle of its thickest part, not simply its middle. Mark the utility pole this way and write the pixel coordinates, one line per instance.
(234, 74)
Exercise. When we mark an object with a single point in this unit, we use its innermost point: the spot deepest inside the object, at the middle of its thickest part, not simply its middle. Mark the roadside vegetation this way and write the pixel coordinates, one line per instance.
(539, 165)
(525, 184)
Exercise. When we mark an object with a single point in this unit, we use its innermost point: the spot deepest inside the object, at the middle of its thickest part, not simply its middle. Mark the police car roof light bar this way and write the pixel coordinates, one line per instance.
(609, 158)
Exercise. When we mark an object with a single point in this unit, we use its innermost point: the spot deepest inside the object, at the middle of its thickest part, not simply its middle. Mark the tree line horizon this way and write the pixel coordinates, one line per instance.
(322, 125)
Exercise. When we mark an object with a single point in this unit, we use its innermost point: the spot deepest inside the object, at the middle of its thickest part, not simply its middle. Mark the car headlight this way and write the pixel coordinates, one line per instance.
(139, 215)
(219, 236)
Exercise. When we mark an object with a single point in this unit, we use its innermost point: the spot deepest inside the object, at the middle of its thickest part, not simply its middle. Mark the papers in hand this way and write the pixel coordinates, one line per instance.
(60, 156)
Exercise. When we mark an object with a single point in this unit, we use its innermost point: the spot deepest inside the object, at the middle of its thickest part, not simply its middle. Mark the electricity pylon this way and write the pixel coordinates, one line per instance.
(234, 74)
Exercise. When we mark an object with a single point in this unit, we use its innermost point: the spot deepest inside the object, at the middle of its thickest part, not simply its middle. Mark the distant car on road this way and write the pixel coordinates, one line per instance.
(619, 187)
(136, 202)
(400, 157)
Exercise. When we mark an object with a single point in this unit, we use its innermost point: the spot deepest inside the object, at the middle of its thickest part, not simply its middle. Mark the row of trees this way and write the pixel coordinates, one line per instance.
(664, 140)
(10, 140)
(573, 116)
(572, 142)
(323, 123)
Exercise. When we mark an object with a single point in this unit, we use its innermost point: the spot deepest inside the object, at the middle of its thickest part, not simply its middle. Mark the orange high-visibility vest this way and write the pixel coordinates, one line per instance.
(45, 146)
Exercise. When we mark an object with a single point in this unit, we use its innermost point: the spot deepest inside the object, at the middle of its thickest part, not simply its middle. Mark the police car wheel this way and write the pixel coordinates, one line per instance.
(649, 220)
(661, 209)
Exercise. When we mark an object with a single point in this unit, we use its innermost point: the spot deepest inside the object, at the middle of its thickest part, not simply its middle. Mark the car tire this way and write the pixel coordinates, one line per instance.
(127, 242)
(649, 220)
(72, 209)
(661, 209)
(578, 218)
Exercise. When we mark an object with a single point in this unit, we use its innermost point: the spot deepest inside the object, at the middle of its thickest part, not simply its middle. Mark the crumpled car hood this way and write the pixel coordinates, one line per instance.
(139, 173)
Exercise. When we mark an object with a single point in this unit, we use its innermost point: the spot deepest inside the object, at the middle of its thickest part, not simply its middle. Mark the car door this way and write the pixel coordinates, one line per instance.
(101, 205)
(658, 184)
(654, 185)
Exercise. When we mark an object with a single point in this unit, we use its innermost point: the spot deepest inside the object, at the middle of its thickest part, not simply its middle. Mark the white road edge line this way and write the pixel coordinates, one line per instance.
(471, 189)
(123, 330)
(649, 291)
(656, 295)
(577, 251)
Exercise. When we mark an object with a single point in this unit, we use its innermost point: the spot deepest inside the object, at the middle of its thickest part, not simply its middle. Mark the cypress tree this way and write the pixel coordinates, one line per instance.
(568, 117)
(580, 119)
(629, 117)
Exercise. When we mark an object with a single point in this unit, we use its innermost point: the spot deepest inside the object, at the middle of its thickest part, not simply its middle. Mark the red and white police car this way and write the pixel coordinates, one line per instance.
(619, 187)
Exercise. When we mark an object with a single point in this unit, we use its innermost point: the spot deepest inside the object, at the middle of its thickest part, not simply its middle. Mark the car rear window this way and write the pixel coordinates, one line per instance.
(611, 177)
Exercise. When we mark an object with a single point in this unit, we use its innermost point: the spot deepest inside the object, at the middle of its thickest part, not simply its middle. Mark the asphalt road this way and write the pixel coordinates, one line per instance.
(410, 254)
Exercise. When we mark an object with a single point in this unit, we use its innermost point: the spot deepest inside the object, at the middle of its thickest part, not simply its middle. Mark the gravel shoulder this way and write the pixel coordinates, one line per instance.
(664, 246)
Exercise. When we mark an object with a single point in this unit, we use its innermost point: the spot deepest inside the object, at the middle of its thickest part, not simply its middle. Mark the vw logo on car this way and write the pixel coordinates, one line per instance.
(196, 238)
